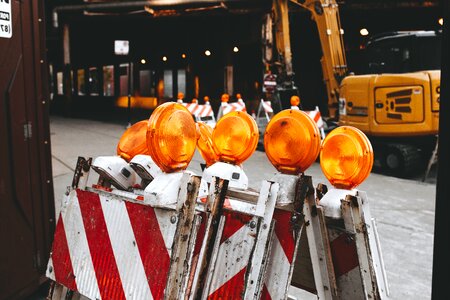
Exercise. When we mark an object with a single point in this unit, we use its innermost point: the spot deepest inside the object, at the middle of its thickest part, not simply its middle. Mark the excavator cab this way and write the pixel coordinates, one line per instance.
(401, 52)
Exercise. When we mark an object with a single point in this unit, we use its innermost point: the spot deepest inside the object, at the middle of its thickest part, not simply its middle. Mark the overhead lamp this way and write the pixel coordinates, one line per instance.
(441, 21)
(183, 55)
(164, 58)
(207, 53)
(143, 61)
(235, 49)
(364, 32)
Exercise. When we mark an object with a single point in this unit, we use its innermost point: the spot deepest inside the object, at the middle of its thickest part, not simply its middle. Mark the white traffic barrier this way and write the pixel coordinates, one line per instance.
(202, 113)
(317, 117)
(264, 114)
(191, 107)
(234, 250)
(226, 107)
(111, 246)
(355, 246)
(287, 231)
(118, 244)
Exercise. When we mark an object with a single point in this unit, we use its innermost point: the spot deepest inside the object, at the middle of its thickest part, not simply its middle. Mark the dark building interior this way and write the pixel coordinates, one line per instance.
(168, 44)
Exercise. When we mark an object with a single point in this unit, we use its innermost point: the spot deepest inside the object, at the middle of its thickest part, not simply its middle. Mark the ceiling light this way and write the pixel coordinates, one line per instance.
(364, 32)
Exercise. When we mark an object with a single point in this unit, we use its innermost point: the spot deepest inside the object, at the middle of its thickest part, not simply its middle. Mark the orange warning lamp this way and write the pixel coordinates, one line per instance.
(295, 100)
(235, 137)
(171, 137)
(205, 144)
(292, 141)
(225, 98)
(346, 157)
(133, 141)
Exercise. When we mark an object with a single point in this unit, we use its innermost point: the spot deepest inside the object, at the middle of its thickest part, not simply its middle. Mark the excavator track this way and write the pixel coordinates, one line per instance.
(401, 159)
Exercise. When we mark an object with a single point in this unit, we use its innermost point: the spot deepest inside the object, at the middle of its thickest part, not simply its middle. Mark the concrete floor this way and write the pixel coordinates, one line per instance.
(404, 209)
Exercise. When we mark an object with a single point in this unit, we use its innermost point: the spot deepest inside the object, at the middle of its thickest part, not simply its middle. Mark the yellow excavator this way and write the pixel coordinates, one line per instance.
(395, 100)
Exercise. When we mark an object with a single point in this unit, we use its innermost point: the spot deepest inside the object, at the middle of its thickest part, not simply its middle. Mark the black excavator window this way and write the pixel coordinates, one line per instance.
(409, 53)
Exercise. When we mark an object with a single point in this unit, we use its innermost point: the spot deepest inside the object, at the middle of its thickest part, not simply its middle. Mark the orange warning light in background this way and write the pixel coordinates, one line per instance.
(346, 157)
(292, 141)
(235, 137)
(205, 144)
(295, 100)
(133, 141)
(171, 137)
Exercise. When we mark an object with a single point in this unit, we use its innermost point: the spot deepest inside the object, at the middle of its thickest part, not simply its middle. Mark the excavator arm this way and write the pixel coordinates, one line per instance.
(325, 13)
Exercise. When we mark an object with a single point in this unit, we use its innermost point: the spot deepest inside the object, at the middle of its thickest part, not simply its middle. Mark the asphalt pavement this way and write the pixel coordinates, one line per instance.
(403, 208)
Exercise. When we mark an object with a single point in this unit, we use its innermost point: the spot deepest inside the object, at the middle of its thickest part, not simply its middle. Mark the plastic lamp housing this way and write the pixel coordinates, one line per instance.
(205, 144)
(133, 141)
(171, 137)
(292, 141)
(235, 137)
(295, 100)
(346, 157)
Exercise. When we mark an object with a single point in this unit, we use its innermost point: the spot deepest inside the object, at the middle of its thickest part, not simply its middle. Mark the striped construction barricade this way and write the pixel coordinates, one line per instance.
(114, 245)
(162, 243)
(236, 242)
(326, 245)
(226, 107)
(288, 220)
(264, 114)
(355, 246)
(343, 248)
(191, 107)
(202, 113)
(317, 117)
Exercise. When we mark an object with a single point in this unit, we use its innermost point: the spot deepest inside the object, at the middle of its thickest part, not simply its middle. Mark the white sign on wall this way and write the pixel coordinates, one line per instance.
(120, 47)
(5, 19)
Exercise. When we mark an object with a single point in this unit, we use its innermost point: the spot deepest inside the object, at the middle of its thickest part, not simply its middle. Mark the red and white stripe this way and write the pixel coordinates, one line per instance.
(191, 107)
(199, 110)
(281, 257)
(234, 254)
(267, 105)
(346, 264)
(235, 106)
(108, 248)
(316, 116)
(204, 111)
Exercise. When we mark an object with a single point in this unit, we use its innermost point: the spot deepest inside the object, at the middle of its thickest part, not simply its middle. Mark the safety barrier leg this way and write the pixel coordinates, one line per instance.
(355, 249)
(236, 242)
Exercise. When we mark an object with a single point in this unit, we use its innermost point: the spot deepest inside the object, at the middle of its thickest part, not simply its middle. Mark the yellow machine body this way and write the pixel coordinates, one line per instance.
(391, 104)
